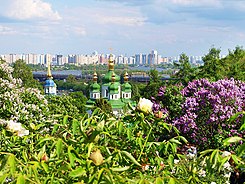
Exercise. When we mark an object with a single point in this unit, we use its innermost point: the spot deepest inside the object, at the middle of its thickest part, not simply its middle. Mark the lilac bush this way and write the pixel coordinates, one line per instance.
(206, 109)
(17, 103)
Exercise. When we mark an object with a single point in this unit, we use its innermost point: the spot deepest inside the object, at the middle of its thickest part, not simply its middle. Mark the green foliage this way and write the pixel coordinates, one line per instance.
(23, 72)
(170, 98)
(79, 101)
(186, 73)
(97, 149)
(104, 105)
(155, 83)
(62, 105)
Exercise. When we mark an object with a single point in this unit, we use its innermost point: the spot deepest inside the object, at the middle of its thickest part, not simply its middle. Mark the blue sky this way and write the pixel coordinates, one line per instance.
(126, 26)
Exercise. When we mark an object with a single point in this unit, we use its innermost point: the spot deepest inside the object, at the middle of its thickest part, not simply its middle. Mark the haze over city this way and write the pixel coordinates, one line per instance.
(126, 26)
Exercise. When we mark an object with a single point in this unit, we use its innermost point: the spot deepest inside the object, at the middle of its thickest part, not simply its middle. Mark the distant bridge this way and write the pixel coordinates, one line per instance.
(135, 78)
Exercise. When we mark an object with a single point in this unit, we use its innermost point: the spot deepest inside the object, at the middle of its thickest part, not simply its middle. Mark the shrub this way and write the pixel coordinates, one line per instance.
(207, 107)
(17, 103)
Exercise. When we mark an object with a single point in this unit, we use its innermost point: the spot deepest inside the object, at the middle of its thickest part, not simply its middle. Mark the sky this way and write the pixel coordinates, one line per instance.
(123, 27)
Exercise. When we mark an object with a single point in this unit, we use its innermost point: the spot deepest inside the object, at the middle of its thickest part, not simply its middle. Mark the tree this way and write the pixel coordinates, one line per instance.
(213, 66)
(22, 71)
(154, 76)
(155, 83)
(71, 79)
(186, 72)
(235, 64)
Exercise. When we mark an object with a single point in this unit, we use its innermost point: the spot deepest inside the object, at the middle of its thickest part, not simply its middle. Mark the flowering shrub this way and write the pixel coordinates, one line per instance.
(207, 107)
(17, 103)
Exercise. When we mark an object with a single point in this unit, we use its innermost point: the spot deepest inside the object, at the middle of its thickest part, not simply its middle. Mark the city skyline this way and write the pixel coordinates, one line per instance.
(126, 26)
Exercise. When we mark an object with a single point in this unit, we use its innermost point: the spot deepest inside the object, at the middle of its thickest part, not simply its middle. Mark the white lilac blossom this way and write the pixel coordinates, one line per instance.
(16, 128)
(23, 105)
(145, 105)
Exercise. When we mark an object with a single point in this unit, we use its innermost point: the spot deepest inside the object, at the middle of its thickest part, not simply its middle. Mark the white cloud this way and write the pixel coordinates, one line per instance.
(4, 30)
(30, 9)
(122, 20)
(80, 31)
(197, 2)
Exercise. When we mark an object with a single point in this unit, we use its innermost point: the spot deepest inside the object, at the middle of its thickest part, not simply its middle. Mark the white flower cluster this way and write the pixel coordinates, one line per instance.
(15, 127)
(17, 103)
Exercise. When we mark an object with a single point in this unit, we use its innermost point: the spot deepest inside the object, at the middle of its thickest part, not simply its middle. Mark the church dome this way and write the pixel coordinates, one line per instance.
(49, 83)
(108, 77)
(113, 88)
(126, 87)
(95, 87)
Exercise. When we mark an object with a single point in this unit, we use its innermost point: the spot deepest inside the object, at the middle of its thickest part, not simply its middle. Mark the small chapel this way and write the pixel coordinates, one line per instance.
(50, 87)
(117, 94)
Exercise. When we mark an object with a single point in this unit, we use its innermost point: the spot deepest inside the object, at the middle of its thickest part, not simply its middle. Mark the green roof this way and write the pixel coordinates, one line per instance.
(108, 77)
(113, 87)
(116, 104)
(126, 87)
(95, 87)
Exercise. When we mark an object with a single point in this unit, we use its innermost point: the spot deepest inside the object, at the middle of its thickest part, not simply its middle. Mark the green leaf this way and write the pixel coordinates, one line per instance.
(100, 174)
(120, 127)
(11, 163)
(90, 146)
(232, 118)
(240, 150)
(243, 126)
(171, 181)
(74, 126)
(71, 156)
(45, 139)
(119, 169)
(59, 145)
(45, 166)
(235, 159)
(80, 171)
(159, 181)
(214, 157)
(230, 140)
(20, 179)
(65, 119)
(3, 178)
(203, 153)
(131, 157)
(171, 161)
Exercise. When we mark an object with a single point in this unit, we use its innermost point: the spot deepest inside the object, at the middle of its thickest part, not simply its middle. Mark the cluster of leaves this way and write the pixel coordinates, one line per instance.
(96, 149)
(102, 149)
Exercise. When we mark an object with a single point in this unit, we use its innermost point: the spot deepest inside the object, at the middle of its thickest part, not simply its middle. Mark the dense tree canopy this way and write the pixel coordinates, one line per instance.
(22, 71)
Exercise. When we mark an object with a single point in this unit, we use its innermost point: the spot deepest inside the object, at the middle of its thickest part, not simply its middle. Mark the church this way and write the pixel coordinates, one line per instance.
(117, 94)
(50, 87)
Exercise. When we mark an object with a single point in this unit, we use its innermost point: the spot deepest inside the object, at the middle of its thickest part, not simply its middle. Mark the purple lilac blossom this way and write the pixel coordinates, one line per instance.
(208, 106)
